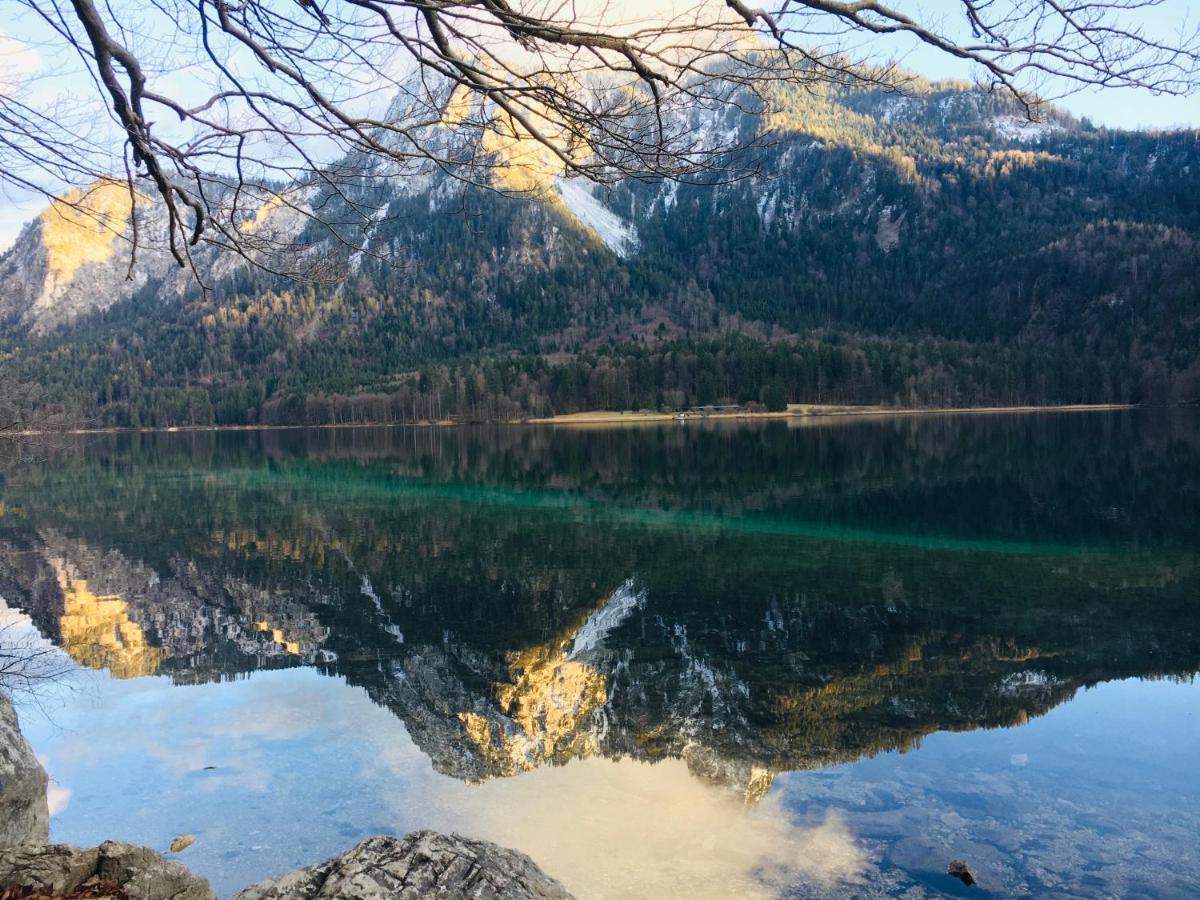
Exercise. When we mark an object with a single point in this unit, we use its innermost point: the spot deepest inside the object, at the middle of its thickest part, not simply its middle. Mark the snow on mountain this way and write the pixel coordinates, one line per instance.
(608, 618)
(576, 195)
(1017, 128)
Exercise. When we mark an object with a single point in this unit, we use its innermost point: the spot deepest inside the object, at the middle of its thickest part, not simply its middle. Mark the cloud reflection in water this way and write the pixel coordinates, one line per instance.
(304, 765)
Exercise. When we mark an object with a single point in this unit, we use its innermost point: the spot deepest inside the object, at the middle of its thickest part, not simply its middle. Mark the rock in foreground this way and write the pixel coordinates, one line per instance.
(138, 872)
(24, 815)
(421, 864)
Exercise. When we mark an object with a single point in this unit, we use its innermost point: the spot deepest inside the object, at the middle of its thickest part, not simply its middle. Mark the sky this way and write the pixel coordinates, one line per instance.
(1115, 108)
(26, 55)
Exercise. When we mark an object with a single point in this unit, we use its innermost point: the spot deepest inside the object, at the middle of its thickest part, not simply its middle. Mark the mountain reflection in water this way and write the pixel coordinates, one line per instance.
(541, 612)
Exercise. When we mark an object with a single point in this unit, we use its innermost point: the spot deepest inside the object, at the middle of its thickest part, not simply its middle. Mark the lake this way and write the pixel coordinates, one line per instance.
(802, 658)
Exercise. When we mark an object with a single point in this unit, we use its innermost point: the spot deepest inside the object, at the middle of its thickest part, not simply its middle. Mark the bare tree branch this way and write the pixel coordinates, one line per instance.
(28, 662)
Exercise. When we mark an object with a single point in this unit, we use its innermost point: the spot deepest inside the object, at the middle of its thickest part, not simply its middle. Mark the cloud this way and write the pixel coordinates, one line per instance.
(609, 829)
(18, 61)
(57, 798)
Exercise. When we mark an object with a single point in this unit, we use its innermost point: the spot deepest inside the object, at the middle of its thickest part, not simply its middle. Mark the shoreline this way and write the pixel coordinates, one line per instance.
(814, 411)
(626, 417)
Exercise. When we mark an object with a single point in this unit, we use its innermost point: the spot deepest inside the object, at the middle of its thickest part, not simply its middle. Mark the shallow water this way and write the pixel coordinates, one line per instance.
(678, 660)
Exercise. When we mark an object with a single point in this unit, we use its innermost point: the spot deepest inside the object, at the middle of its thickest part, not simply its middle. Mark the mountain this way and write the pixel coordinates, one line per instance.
(932, 248)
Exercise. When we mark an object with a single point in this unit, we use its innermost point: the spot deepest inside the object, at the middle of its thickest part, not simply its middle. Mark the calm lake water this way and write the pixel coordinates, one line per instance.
(801, 659)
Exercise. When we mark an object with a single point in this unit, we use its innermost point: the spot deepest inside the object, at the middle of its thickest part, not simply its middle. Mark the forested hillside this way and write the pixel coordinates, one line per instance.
(933, 249)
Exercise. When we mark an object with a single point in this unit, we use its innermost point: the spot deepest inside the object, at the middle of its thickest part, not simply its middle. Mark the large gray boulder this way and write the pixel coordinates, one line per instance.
(422, 864)
(139, 872)
(24, 814)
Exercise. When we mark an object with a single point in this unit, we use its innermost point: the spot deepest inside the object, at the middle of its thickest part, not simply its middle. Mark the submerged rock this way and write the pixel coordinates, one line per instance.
(961, 871)
(182, 842)
(421, 864)
(139, 872)
(24, 813)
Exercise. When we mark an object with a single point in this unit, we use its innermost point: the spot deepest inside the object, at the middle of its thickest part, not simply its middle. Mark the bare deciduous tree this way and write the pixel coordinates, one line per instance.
(221, 109)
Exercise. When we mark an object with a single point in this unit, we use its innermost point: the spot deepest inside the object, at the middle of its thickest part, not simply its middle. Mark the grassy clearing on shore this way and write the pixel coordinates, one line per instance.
(803, 410)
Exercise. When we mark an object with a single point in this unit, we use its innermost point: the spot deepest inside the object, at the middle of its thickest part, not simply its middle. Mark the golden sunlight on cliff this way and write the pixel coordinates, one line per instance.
(522, 164)
(551, 697)
(277, 636)
(83, 227)
(758, 785)
(263, 214)
(98, 633)
(546, 709)
(459, 107)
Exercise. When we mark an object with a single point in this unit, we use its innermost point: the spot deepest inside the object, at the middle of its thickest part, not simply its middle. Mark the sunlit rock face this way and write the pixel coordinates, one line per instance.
(98, 633)
(83, 254)
(74, 259)
(80, 233)
(545, 713)
(551, 707)
(477, 718)
(109, 612)
(97, 246)
(543, 704)
(24, 813)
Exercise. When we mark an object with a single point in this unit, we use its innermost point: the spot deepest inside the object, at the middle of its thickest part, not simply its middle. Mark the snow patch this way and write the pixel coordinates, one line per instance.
(368, 230)
(600, 624)
(1029, 680)
(670, 195)
(1016, 128)
(368, 591)
(766, 207)
(896, 108)
(887, 230)
(619, 236)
